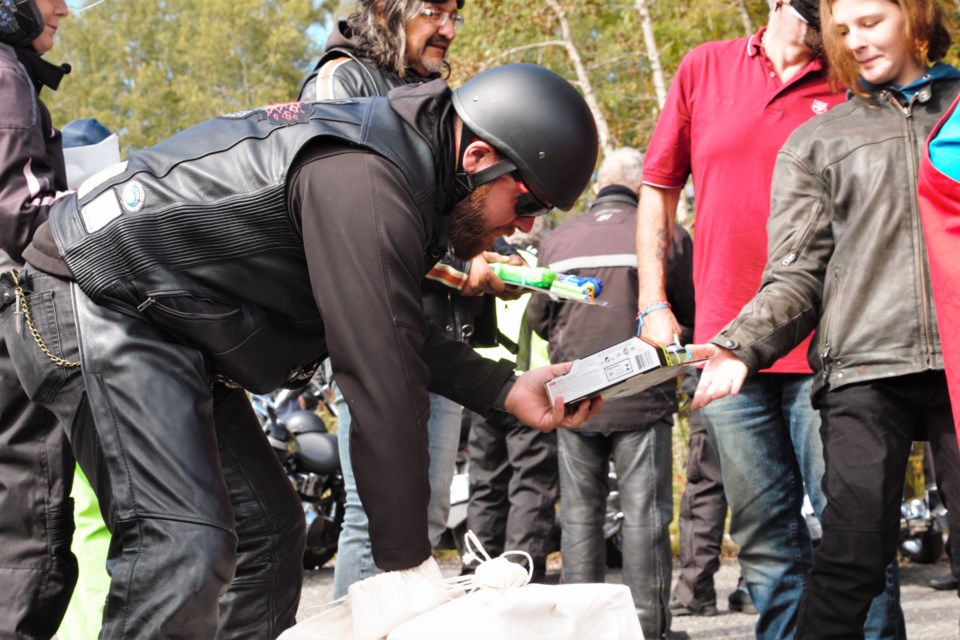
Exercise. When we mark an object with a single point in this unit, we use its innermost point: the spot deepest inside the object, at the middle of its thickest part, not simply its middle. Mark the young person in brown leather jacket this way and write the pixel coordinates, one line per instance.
(847, 259)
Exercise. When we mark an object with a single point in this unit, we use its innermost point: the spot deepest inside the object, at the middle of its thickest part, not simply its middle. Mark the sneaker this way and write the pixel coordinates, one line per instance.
(740, 601)
(693, 608)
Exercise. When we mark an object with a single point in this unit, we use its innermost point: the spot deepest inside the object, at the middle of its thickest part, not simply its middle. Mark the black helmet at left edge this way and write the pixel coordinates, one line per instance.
(539, 122)
(20, 22)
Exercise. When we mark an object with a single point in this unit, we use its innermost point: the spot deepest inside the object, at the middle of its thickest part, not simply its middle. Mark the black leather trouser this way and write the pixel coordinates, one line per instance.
(207, 533)
(643, 462)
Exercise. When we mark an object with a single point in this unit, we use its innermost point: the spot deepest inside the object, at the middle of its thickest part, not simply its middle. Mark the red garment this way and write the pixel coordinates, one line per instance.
(726, 116)
(939, 197)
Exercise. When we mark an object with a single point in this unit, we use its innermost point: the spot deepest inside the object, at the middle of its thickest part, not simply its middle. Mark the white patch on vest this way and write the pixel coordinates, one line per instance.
(132, 196)
(100, 211)
(819, 106)
(100, 177)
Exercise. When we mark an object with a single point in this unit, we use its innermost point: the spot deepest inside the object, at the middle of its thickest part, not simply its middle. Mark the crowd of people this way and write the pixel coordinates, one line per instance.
(138, 308)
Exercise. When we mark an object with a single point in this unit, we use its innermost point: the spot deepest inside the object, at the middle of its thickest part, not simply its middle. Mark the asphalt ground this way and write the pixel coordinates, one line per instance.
(929, 614)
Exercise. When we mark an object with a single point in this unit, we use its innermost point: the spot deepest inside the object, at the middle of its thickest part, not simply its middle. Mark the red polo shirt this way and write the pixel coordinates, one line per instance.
(726, 116)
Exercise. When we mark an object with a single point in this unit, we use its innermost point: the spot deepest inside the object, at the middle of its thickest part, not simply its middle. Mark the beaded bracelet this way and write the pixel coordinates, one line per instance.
(656, 306)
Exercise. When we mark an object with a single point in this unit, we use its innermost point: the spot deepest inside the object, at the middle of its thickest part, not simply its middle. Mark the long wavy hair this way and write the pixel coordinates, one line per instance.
(380, 28)
(925, 26)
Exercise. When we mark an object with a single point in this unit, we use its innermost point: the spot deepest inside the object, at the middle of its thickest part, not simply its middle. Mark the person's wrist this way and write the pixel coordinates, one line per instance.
(653, 307)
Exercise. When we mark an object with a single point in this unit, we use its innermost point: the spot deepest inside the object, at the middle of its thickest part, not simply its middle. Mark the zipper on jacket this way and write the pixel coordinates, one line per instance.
(802, 238)
(153, 301)
(919, 242)
(828, 327)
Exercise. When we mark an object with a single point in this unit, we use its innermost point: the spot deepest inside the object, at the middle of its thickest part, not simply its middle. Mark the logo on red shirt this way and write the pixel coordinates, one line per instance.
(819, 106)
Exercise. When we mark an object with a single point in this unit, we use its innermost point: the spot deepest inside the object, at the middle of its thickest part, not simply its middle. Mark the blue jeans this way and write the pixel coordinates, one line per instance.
(768, 441)
(354, 558)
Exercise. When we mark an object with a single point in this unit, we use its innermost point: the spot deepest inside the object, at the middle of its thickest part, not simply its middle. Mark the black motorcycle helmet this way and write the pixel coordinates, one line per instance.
(304, 422)
(537, 121)
(20, 22)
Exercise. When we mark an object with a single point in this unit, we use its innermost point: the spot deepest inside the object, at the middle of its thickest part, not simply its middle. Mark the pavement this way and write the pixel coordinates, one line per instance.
(929, 614)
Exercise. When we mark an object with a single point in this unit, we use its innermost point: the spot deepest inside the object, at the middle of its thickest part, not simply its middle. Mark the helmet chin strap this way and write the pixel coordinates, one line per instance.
(465, 183)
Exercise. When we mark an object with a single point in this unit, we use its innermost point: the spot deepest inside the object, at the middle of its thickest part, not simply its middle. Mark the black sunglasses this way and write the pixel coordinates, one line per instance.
(528, 205)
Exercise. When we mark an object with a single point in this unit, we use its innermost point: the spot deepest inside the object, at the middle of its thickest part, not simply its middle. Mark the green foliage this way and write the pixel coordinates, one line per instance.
(150, 68)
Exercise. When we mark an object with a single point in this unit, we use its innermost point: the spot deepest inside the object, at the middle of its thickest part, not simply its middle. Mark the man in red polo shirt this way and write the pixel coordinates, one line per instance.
(730, 108)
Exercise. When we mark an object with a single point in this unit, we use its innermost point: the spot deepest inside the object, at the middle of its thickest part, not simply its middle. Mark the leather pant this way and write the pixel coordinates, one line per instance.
(207, 533)
(643, 462)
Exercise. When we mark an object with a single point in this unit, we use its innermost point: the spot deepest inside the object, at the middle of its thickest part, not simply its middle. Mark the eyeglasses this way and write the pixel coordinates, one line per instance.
(528, 205)
(441, 18)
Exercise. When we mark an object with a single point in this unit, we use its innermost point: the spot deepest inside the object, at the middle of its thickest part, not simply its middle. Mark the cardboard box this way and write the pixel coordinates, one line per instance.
(623, 369)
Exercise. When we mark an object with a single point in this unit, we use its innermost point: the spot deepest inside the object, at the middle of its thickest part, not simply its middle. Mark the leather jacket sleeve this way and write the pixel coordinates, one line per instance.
(31, 165)
(787, 307)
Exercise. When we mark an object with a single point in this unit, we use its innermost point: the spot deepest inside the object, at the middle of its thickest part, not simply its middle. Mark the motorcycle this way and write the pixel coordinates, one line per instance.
(309, 455)
(922, 515)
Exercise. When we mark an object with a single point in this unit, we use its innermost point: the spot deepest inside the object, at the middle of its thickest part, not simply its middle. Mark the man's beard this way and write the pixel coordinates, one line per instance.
(430, 65)
(468, 228)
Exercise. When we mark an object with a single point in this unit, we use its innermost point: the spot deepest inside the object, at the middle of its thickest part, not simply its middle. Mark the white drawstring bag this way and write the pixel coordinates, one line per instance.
(375, 606)
(502, 605)
(418, 604)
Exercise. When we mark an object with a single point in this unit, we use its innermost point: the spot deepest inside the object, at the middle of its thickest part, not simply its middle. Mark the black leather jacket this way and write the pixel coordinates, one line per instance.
(847, 256)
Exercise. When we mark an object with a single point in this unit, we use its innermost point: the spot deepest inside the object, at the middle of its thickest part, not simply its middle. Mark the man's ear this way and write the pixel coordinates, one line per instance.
(479, 155)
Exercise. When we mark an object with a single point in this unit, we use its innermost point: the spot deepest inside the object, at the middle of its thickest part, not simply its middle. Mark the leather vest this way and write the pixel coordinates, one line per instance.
(195, 234)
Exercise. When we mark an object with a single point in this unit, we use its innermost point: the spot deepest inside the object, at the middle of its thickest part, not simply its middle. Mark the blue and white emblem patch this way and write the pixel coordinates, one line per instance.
(132, 196)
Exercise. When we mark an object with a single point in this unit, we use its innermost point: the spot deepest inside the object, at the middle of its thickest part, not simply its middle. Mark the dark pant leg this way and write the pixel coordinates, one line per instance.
(867, 432)
(489, 479)
(157, 473)
(584, 468)
(946, 463)
(270, 525)
(644, 460)
(532, 491)
(37, 569)
(703, 510)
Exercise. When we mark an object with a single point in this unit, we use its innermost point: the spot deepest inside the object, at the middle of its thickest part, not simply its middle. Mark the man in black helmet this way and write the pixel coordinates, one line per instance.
(238, 254)
(37, 569)
(386, 44)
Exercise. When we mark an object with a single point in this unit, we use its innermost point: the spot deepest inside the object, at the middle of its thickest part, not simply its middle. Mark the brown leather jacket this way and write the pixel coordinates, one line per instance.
(847, 255)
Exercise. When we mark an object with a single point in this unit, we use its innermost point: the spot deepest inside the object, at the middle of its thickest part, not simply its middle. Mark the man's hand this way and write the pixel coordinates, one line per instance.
(529, 402)
(481, 278)
(722, 376)
(660, 326)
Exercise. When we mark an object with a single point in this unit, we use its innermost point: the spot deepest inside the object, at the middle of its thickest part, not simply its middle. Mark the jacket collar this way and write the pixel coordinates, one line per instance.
(920, 89)
(41, 72)
(617, 193)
